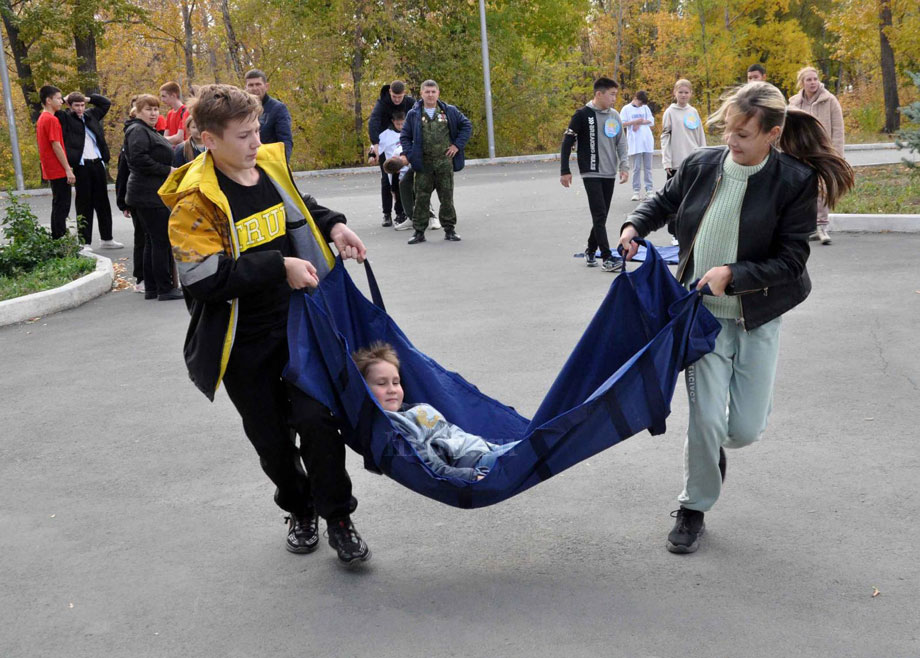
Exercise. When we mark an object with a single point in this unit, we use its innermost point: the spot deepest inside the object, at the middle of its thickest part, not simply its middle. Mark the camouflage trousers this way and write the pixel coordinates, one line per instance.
(438, 175)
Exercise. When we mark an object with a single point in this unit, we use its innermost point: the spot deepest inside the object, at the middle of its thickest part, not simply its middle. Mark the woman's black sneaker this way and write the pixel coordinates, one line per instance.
(722, 463)
(302, 536)
(685, 536)
(347, 542)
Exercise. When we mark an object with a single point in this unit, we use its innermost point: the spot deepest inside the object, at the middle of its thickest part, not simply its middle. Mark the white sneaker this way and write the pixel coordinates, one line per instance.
(111, 244)
(822, 235)
(434, 224)
(139, 287)
(87, 247)
(674, 242)
(634, 197)
(404, 225)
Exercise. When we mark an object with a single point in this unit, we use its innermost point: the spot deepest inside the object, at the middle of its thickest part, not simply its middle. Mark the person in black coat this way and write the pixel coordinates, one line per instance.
(393, 98)
(88, 156)
(149, 157)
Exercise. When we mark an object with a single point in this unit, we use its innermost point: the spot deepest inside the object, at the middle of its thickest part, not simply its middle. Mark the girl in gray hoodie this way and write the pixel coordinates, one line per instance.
(444, 447)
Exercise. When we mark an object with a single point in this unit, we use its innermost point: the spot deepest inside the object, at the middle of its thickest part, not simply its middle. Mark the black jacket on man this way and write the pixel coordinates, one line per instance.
(382, 115)
(778, 213)
(275, 124)
(149, 157)
(75, 133)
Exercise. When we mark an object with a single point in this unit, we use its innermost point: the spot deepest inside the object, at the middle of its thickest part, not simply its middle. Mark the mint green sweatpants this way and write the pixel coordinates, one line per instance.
(731, 395)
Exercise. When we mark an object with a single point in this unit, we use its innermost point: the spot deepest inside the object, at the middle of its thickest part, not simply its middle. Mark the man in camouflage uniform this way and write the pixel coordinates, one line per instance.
(433, 138)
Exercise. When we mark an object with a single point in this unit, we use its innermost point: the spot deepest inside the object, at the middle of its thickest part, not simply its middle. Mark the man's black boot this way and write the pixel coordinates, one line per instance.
(451, 235)
(689, 527)
(302, 536)
(387, 220)
(418, 237)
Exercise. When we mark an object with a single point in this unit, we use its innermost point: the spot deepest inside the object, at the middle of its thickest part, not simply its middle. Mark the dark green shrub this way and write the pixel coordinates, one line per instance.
(28, 244)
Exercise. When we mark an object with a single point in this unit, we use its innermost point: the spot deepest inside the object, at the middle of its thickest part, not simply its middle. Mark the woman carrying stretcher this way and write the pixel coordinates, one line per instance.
(744, 213)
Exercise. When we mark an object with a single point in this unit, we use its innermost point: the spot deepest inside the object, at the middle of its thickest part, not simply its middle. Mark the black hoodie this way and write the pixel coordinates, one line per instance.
(382, 115)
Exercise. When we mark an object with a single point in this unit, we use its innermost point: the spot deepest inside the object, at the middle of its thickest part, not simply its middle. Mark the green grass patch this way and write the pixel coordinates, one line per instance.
(887, 189)
(51, 274)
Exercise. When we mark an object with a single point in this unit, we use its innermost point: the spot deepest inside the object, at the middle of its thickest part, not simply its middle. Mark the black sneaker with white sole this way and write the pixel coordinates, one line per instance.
(347, 542)
(685, 535)
(590, 258)
(302, 536)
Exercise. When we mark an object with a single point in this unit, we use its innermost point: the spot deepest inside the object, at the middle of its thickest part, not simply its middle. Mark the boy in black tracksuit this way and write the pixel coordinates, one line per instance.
(243, 238)
(602, 151)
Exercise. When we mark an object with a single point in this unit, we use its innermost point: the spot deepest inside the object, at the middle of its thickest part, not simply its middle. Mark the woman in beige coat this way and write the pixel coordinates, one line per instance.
(821, 104)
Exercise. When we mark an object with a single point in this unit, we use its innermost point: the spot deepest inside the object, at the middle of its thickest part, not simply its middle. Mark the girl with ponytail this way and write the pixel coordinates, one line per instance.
(744, 213)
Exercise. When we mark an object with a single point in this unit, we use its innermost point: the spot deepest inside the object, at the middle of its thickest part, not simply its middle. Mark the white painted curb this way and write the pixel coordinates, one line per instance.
(874, 223)
(67, 296)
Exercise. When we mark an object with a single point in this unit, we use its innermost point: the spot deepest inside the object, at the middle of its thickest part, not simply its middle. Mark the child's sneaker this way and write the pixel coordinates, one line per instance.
(590, 258)
(634, 197)
(612, 265)
(347, 542)
(434, 224)
(302, 536)
(404, 225)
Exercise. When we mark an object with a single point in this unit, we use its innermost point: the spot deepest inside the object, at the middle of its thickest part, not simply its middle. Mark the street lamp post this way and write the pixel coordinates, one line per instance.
(486, 76)
(11, 118)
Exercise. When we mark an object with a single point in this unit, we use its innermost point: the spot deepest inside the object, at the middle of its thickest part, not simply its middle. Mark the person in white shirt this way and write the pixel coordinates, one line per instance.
(638, 118)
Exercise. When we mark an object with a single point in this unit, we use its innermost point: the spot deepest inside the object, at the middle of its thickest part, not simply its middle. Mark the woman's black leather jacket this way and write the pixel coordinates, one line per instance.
(778, 214)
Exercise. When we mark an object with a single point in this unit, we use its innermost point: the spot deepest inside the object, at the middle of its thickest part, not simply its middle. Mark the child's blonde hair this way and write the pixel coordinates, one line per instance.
(375, 353)
(683, 82)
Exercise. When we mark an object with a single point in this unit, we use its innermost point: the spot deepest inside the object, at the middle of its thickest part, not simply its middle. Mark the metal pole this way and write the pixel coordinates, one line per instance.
(11, 118)
(486, 76)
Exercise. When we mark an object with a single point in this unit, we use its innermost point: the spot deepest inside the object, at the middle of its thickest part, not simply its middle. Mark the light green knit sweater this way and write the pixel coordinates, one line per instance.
(717, 239)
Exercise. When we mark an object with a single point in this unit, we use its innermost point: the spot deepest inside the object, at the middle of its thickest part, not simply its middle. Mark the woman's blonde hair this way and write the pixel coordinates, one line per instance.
(803, 137)
(800, 76)
(375, 353)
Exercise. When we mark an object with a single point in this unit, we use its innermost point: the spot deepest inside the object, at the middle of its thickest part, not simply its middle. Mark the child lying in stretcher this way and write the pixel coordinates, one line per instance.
(444, 447)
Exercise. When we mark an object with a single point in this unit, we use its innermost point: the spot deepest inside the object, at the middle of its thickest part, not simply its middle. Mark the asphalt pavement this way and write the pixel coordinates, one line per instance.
(135, 520)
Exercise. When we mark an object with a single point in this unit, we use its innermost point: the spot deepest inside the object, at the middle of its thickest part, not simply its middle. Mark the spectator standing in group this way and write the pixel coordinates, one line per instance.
(55, 168)
(192, 147)
(275, 120)
(88, 155)
(390, 147)
(815, 99)
(121, 192)
(433, 139)
(681, 133)
(756, 73)
(638, 118)
(171, 97)
(393, 99)
(598, 132)
(149, 156)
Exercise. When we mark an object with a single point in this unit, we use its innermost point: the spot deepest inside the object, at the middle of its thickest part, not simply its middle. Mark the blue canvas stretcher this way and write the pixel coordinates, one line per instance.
(670, 254)
(618, 381)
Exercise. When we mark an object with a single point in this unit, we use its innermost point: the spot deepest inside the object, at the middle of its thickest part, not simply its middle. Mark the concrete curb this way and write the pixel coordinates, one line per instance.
(475, 162)
(67, 296)
(875, 223)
